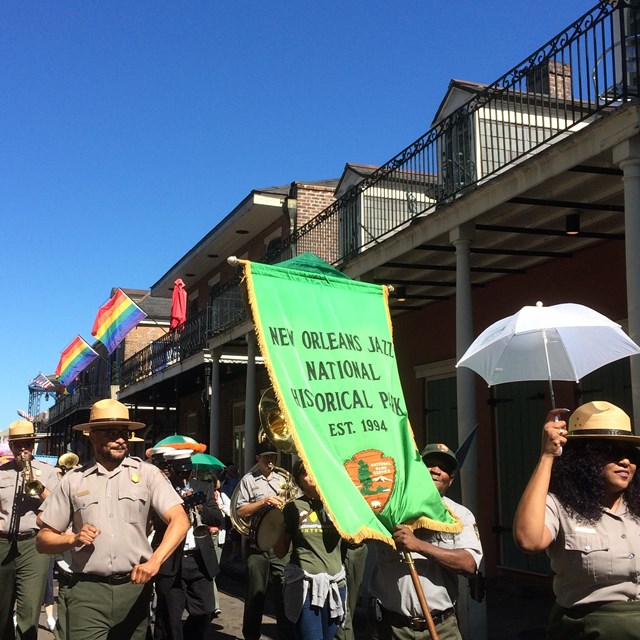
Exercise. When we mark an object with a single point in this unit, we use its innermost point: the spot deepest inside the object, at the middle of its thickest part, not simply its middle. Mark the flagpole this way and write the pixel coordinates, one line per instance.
(408, 558)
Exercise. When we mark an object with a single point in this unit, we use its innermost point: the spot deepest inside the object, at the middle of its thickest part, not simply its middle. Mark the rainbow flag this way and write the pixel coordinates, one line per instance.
(115, 319)
(76, 357)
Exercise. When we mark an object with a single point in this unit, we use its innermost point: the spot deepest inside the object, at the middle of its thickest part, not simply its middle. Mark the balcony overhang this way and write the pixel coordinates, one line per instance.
(256, 212)
(518, 216)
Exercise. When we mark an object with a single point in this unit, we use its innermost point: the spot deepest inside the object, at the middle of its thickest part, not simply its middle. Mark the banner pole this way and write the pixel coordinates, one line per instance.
(421, 597)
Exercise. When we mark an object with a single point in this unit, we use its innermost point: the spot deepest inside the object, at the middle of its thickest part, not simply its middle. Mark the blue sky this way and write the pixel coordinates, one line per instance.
(129, 129)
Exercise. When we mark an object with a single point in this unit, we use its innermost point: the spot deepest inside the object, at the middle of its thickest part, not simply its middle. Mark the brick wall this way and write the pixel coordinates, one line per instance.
(551, 78)
(323, 240)
(140, 337)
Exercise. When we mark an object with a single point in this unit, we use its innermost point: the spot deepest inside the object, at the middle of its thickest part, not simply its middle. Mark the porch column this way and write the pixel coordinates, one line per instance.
(466, 390)
(250, 409)
(627, 155)
(472, 615)
(214, 406)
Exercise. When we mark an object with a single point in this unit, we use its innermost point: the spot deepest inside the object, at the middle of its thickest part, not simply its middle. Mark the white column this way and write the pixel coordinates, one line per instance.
(250, 409)
(472, 615)
(466, 390)
(214, 406)
(627, 155)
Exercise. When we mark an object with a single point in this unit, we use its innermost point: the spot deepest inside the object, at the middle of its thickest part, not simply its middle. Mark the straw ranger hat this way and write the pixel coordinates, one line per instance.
(106, 414)
(23, 430)
(600, 419)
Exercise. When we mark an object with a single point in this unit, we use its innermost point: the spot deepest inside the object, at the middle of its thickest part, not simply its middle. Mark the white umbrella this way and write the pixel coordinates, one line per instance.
(561, 342)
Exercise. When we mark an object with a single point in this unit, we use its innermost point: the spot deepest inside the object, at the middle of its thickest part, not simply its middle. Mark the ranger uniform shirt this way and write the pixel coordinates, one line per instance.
(593, 562)
(392, 583)
(254, 487)
(11, 482)
(117, 503)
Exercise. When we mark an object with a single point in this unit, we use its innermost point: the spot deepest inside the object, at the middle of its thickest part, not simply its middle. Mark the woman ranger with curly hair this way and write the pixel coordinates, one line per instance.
(582, 505)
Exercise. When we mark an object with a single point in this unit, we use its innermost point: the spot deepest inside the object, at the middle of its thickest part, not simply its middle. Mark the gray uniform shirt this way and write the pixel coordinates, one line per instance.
(391, 581)
(10, 481)
(254, 486)
(116, 502)
(593, 562)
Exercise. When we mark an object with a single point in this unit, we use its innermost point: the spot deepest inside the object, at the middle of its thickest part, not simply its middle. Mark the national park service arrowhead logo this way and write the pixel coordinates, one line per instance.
(374, 475)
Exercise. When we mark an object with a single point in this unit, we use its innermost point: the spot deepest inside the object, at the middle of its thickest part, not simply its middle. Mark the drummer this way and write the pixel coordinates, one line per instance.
(257, 489)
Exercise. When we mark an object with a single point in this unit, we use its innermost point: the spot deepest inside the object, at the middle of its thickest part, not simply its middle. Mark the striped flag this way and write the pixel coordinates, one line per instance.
(41, 383)
(76, 357)
(115, 319)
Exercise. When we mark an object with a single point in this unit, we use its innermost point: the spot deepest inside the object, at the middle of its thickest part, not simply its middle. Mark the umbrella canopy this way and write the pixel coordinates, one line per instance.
(177, 441)
(178, 304)
(205, 462)
(561, 342)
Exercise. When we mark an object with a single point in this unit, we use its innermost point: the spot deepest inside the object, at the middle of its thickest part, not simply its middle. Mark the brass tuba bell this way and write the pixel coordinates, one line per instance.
(68, 460)
(273, 426)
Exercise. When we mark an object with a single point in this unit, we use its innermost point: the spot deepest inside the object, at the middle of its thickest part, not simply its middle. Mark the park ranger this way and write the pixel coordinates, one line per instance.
(24, 483)
(106, 503)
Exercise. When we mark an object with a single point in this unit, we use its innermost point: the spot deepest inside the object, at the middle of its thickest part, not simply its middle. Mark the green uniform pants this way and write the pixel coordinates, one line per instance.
(611, 621)
(101, 611)
(23, 577)
(447, 630)
(262, 568)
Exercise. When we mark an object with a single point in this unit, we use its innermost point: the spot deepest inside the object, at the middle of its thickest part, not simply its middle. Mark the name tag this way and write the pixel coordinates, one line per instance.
(589, 530)
(86, 492)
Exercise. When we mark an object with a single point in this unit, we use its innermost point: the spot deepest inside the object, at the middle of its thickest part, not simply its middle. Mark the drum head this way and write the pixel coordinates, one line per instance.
(269, 529)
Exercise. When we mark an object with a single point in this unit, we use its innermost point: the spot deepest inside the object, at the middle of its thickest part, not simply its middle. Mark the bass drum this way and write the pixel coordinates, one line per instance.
(266, 527)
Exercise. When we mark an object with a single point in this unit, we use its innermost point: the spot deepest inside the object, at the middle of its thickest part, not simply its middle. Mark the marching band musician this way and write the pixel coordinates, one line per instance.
(185, 579)
(257, 489)
(24, 484)
(106, 502)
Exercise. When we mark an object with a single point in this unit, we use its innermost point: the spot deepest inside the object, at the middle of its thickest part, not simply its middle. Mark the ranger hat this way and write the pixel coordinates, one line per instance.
(106, 414)
(439, 449)
(265, 448)
(23, 430)
(600, 419)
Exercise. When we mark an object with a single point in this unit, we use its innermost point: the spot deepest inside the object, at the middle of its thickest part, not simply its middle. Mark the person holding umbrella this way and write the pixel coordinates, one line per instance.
(582, 505)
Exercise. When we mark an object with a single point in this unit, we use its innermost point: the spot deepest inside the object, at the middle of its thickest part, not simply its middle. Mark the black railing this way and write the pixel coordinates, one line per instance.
(589, 68)
(82, 397)
(225, 310)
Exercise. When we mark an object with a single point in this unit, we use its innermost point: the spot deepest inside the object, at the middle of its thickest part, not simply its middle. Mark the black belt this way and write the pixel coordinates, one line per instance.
(18, 536)
(115, 578)
(417, 624)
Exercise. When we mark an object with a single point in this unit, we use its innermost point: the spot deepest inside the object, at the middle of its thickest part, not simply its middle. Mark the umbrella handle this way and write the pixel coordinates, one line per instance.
(546, 355)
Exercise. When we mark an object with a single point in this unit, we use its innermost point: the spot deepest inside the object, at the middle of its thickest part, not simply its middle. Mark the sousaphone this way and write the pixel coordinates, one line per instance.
(273, 427)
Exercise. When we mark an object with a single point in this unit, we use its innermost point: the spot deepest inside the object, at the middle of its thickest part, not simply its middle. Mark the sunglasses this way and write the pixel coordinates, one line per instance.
(113, 434)
(613, 452)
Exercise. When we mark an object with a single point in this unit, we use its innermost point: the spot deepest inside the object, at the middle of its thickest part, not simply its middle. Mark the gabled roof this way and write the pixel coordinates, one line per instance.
(458, 92)
(352, 174)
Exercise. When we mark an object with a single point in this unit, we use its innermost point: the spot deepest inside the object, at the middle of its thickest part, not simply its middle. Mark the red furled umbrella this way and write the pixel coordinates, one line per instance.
(178, 304)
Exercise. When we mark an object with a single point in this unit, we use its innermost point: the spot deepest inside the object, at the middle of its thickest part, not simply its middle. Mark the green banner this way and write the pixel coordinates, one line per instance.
(328, 346)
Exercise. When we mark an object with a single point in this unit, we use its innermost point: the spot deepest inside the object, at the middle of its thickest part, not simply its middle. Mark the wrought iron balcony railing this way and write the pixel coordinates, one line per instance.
(589, 68)
(82, 397)
(224, 311)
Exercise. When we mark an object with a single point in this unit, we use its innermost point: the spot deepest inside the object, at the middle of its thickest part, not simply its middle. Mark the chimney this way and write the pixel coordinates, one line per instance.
(551, 78)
